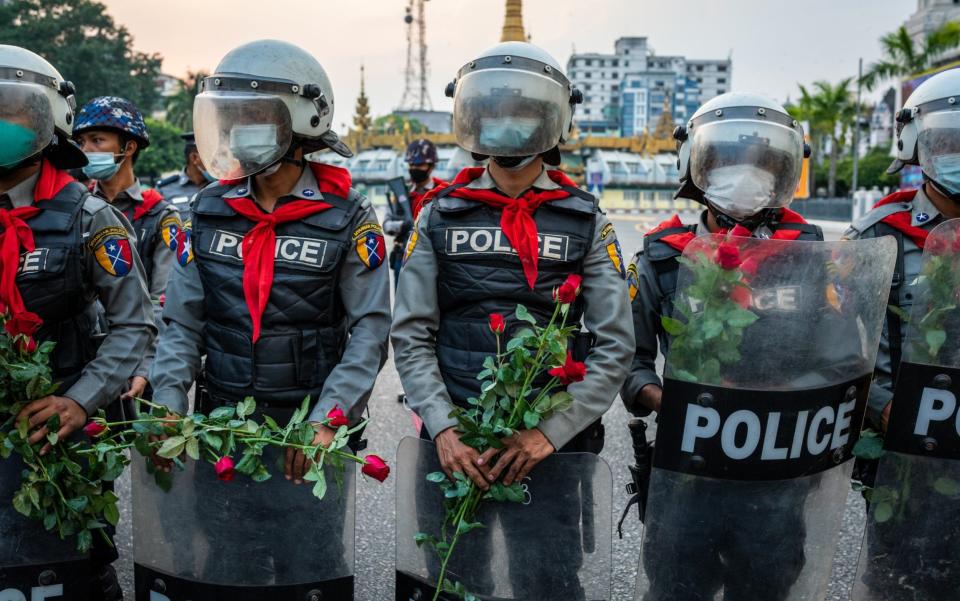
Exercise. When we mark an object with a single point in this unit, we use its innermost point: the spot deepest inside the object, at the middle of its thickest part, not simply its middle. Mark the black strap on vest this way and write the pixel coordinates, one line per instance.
(894, 323)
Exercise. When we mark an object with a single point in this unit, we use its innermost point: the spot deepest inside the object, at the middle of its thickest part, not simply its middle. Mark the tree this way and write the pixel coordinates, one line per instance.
(830, 111)
(396, 124)
(903, 57)
(165, 153)
(180, 105)
(85, 45)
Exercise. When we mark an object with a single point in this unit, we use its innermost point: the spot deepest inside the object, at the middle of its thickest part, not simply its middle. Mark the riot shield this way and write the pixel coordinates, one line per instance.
(34, 563)
(554, 545)
(772, 349)
(911, 547)
(207, 540)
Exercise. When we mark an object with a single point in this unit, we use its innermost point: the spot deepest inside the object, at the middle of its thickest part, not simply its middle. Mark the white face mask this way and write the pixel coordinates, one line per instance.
(740, 190)
(253, 143)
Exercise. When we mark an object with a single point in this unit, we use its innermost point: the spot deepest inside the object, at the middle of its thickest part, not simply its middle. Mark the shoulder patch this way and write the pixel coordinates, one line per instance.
(184, 247)
(411, 244)
(616, 257)
(606, 231)
(370, 245)
(633, 281)
(170, 228)
(111, 248)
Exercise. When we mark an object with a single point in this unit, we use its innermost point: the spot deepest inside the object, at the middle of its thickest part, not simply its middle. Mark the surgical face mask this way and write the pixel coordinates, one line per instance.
(740, 190)
(102, 165)
(508, 132)
(947, 168)
(253, 143)
(514, 163)
(16, 143)
(419, 176)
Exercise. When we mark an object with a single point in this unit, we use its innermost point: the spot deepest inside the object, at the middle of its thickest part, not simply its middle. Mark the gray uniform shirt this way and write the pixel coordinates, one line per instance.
(607, 315)
(923, 215)
(125, 301)
(179, 191)
(365, 295)
(163, 259)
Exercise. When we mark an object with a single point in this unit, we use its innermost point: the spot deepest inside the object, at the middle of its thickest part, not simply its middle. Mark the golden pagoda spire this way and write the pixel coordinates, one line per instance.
(513, 23)
(362, 117)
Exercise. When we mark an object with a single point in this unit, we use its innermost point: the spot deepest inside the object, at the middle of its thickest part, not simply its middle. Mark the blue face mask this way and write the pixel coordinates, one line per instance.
(207, 176)
(101, 165)
(16, 143)
(947, 168)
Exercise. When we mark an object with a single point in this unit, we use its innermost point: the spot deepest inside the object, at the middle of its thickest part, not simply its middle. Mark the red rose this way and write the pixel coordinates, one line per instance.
(750, 266)
(571, 371)
(936, 246)
(568, 290)
(739, 230)
(27, 345)
(956, 244)
(728, 256)
(224, 468)
(94, 429)
(337, 418)
(163, 299)
(375, 467)
(741, 296)
(25, 323)
(497, 324)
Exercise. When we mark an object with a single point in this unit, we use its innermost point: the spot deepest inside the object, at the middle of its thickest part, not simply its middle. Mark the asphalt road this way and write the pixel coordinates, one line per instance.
(391, 422)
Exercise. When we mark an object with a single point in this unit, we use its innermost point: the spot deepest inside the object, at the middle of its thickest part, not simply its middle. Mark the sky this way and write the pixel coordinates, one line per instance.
(774, 43)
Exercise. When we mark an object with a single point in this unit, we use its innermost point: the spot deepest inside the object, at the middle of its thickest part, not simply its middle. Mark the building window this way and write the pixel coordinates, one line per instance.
(587, 87)
(699, 67)
(722, 80)
(626, 63)
(616, 63)
(586, 111)
(588, 75)
(614, 87)
(723, 68)
(721, 91)
(589, 63)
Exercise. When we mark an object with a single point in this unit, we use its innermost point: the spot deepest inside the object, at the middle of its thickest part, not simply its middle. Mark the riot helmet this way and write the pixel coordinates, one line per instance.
(265, 99)
(928, 132)
(741, 155)
(36, 112)
(513, 101)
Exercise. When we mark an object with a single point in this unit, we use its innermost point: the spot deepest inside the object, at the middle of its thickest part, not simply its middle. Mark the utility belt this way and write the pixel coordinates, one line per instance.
(207, 402)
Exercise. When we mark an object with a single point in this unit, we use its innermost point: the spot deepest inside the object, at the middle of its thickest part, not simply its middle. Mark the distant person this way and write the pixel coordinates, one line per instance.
(180, 188)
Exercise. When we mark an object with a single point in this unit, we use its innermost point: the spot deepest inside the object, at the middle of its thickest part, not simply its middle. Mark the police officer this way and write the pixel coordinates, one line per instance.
(83, 254)
(180, 188)
(112, 133)
(283, 288)
(738, 157)
(462, 265)
(421, 160)
(928, 135)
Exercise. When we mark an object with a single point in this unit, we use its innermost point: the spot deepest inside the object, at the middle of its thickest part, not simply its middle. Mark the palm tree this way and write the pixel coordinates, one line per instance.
(903, 57)
(180, 105)
(830, 111)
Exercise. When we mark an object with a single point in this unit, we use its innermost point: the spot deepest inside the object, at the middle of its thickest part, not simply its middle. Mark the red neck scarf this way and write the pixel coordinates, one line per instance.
(151, 198)
(903, 221)
(259, 245)
(516, 218)
(680, 240)
(16, 235)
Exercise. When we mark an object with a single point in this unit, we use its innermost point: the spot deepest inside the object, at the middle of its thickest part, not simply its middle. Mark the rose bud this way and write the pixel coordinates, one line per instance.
(571, 371)
(94, 429)
(750, 266)
(224, 468)
(375, 467)
(27, 345)
(336, 418)
(569, 289)
(497, 323)
(728, 256)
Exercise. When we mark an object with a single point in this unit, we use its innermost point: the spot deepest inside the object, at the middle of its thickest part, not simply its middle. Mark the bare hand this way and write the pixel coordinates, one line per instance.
(885, 416)
(297, 463)
(458, 457)
(72, 418)
(521, 454)
(137, 385)
(162, 463)
(650, 397)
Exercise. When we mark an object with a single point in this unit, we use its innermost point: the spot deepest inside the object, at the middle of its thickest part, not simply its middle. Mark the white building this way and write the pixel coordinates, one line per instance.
(625, 92)
(931, 15)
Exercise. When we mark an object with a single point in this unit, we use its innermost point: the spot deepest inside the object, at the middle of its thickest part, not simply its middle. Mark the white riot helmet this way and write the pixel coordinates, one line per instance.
(36, 111)
(265, 99)
(928, 132)
(512, 101)
(740, 154)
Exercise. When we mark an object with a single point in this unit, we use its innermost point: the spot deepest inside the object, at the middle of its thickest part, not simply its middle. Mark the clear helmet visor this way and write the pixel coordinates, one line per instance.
(26, 121)
(745, 166)
(938, 148)
(239, 134)
(509, 112)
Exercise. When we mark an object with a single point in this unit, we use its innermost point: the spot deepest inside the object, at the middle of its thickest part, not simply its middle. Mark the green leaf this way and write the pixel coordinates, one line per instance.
(561, 401)
(672, 326)
(111, 513)
(320, 488)
(524, 315)
(172, 447)
(742, 318)
(935, 339)
(514, 492)
(882, 512)
(531, 419)
(436, 477)
(193, 448)
(947, 487)
(246, 407)
(868, 447)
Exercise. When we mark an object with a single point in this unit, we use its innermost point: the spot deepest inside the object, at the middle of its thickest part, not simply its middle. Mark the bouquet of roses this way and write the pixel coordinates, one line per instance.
(513, 398)
(715, 312)
(66, 486)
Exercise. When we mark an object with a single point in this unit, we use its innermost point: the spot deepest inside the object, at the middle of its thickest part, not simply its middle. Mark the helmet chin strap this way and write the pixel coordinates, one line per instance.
(752, 222)
(288, 157)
